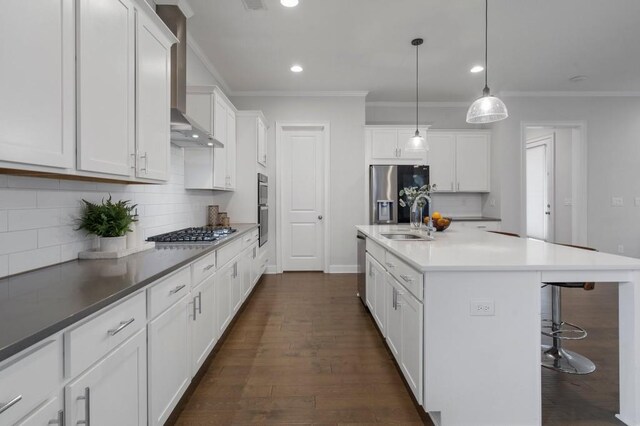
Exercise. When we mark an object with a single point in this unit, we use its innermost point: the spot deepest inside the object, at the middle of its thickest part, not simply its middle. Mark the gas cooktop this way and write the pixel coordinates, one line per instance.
(199, 235)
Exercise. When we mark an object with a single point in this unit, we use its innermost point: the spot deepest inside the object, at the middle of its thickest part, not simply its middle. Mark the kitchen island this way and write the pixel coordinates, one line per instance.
(461, 314)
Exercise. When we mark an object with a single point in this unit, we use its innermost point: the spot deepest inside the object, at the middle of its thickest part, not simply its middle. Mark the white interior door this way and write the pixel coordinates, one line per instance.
(540, 188)
(302, 200)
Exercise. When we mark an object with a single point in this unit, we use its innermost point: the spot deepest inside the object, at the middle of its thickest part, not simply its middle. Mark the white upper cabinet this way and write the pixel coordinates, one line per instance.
(460, 160)
(392, 145)
(215, 168)
(442, 155)
(230, 148)
(123, 88)
(384, 144)
(37, 83)
(153, 99)
(262, 142)
(106, 79)
(472, 162)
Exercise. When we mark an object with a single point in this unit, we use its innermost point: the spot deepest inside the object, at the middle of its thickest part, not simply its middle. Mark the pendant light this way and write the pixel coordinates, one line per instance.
(417, 141)
(487, 108)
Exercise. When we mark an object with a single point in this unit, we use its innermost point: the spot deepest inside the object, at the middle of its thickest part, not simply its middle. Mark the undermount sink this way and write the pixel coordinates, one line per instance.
(407, 237)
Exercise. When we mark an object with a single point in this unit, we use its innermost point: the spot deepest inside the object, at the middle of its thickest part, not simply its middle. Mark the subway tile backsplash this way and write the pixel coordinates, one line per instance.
(37, 215)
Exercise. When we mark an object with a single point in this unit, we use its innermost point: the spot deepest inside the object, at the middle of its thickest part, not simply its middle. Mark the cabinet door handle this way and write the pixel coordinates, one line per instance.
(390, 265)
(177, 289)
(133, 161)
(4, 407)
(87, 407)
(452, 186)
(206, 268)
(195, 308)
(407, 278)
(122, 326)
(59, 421)
(254, 252)
(146, 163)
(199, 302)
(458, 186)
(394, 299)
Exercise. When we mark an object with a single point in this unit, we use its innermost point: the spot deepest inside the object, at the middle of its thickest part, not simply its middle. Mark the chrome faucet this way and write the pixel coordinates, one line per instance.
(430, 229)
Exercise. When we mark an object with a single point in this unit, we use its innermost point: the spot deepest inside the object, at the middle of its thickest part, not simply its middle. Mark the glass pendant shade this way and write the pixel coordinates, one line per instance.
(487, 109)
(418, 142)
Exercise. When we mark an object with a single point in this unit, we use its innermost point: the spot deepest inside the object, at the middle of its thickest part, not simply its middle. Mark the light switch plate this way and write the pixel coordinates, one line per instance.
(617, 201)
(637, 201)
(482, 308)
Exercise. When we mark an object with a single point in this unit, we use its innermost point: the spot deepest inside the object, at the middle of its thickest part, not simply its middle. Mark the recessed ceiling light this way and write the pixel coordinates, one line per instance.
(296, 68)
(577, 78)
(210, 143)
(289, 3)
(477, 68)
(195, 136)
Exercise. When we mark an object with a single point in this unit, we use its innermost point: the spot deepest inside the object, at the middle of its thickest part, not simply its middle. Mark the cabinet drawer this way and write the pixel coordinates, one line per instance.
(29, 381)
(249, 238)
(405, 274)
(228, 252)
(376, 251)
(165, 293)
(92, 340)
(203, 268)
(46, 415)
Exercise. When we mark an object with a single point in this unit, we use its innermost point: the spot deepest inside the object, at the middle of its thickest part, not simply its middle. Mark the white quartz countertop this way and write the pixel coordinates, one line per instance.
(474, 250)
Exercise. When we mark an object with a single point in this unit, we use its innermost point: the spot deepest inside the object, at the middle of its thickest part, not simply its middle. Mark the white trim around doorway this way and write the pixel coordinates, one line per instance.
(578, 172)
(325, 127)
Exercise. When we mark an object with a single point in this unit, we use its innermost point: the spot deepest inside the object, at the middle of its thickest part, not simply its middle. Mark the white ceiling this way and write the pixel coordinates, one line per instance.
(349, 45)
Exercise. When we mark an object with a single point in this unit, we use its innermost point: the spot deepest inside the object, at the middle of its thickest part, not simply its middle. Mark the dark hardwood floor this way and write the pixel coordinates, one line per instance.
(304, 351)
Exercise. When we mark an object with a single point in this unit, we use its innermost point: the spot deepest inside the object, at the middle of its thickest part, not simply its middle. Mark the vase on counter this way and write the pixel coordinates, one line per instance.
(113, 244)
(416, 216)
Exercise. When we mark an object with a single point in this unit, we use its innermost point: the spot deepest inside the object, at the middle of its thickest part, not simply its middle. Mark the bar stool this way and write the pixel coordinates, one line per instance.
(554, 356)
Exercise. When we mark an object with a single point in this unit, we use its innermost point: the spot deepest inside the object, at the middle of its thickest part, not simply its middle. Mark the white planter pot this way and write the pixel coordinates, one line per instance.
(113, 244)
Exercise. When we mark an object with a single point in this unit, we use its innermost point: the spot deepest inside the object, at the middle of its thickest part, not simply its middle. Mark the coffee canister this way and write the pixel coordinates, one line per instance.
(213, 215)
(222, 217)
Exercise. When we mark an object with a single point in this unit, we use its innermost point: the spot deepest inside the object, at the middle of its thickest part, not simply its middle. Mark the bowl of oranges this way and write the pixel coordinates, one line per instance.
(439, 222)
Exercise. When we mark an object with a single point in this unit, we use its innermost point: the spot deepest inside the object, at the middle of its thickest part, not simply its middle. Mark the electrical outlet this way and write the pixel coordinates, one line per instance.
(617, 201)
(482, 308)
(637, 201)
(620, 249)
(492, 202)
(568, 201)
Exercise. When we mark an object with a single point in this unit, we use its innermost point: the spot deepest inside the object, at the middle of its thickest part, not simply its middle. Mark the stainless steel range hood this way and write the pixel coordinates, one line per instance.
(185, 132)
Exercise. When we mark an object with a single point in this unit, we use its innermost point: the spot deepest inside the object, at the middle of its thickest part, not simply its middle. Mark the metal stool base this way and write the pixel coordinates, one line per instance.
(566, 361)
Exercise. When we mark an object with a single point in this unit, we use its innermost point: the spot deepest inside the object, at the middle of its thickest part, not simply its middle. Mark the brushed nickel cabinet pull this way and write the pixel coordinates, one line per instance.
(177, 289)
(122, 326)
(4, 407)
(87, 407)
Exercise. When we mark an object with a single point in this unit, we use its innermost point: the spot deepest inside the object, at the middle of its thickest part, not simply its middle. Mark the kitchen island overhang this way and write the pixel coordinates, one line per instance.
(485, 369)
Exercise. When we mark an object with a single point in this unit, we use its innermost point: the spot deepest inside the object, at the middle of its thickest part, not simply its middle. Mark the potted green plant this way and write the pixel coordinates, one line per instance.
(110, 221)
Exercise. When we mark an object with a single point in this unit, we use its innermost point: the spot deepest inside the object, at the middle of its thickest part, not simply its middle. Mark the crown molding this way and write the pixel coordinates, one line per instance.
(570, 94)
(309, 94)
(193, 44)
(421, 104)
(184, 6)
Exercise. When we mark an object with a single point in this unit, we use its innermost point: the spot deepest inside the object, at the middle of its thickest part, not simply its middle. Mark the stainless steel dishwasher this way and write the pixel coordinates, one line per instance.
(362, 269)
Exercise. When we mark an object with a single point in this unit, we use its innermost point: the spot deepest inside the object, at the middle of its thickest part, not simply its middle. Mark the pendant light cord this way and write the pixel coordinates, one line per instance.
(486, 44)
(417, 101)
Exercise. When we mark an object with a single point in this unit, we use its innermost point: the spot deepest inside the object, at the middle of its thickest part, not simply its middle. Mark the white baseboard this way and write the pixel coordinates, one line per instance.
(271, 269)
(343, 269)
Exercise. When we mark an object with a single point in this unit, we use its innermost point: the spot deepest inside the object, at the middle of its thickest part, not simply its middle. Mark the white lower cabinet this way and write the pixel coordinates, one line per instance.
(223, 298)
(130, 363)
(397, 312)
(114, 390)
(51, 413)
(203, 332)
(376, 293)
(169, 360)
(394, 320)
(411, 314)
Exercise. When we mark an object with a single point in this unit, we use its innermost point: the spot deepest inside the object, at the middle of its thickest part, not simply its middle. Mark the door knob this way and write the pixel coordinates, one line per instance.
(320, 217)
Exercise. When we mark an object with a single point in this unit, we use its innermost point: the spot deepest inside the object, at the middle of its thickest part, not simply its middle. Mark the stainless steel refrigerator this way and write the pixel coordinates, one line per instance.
(385, 183)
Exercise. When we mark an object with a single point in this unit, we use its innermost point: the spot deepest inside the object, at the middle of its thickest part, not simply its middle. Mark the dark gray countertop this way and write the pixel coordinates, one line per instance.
(37, 304)
(476, 219)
